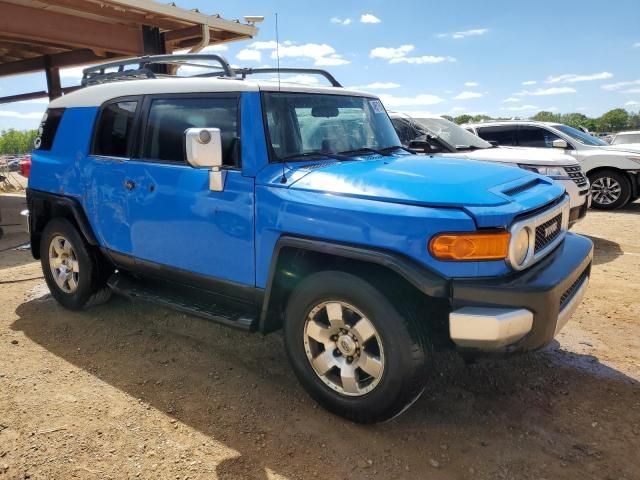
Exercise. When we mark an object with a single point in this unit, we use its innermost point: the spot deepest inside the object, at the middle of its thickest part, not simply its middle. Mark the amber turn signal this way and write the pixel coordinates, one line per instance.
(471, 246)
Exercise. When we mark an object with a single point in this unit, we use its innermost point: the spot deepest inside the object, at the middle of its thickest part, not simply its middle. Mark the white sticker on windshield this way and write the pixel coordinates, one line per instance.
(377, 106)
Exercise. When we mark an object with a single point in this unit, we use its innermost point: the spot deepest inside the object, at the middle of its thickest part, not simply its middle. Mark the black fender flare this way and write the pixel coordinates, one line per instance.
(39, 203)
(425, 280)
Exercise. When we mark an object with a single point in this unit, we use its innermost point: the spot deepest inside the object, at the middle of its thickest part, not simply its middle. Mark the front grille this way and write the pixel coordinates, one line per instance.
(575, 173)
(568, 294)
(547, 232)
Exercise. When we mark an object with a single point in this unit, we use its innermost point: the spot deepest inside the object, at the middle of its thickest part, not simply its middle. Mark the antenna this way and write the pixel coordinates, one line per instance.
(278, 50)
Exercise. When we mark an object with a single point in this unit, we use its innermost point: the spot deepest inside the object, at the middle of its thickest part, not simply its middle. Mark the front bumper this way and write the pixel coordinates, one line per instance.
(525, 310)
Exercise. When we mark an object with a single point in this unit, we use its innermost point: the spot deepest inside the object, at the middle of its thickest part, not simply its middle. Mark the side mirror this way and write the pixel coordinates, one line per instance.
(204, 150)
(559, 143)
(419, 146)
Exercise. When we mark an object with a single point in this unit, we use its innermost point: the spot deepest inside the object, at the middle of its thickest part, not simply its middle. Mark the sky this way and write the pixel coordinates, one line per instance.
(500, 58)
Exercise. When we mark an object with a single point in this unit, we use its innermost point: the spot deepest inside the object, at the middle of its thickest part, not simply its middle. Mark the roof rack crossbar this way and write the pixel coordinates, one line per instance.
(97, 74)
(310, 71)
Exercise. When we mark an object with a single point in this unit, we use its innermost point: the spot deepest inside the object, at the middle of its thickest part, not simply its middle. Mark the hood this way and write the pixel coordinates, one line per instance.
(520, 155)
(430, 181)
(633, 148)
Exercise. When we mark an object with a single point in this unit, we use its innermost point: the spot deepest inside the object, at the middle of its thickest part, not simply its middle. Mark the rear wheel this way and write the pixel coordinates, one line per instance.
(609, 189)
(75, 273)
(352, 350)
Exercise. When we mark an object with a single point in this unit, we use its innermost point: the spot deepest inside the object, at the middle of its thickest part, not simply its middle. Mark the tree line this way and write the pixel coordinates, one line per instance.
(612, 121)
(16, 142)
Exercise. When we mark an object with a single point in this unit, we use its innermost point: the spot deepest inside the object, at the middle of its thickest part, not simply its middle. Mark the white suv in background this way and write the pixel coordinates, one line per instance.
(438, 136)
(612, 170)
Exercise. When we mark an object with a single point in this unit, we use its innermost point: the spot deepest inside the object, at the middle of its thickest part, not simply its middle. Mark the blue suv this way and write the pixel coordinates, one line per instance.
(266, 206)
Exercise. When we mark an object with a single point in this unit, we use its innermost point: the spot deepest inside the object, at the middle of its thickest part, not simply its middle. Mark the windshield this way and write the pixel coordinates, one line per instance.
(621, 139)
(580, 136)
(452, 134)
(305, 123)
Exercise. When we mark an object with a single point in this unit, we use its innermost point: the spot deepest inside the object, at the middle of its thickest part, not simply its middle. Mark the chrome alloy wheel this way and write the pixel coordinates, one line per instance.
(64, 264)
(606, 190)
(343, 348)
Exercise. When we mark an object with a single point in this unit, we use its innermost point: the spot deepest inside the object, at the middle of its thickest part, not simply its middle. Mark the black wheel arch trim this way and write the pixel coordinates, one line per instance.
(424, 279)
(37, 201)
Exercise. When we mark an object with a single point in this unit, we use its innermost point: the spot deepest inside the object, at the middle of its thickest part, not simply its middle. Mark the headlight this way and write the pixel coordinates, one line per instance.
(553, 172)
(519, 248)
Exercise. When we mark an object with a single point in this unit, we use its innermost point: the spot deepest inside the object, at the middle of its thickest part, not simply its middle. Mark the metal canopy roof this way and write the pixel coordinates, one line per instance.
(46, 36)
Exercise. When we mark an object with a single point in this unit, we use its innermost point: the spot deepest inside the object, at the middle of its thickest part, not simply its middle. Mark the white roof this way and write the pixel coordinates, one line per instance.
(96, 95)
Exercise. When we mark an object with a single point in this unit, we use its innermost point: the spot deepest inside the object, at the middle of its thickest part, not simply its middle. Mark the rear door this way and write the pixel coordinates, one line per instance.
(176, 222)
(536, 137)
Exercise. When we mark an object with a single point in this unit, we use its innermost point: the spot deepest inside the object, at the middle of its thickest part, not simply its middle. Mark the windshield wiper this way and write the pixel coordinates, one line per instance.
(315, 153)
(361, 150)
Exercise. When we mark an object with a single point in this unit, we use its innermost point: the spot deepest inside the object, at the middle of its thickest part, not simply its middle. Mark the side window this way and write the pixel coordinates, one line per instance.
(502, 135)
(529, 136)
(114, 129)
(48, 128)
(169, 118)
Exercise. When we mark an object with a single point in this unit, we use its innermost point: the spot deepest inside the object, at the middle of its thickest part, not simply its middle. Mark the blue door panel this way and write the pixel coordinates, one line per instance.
(175, 220)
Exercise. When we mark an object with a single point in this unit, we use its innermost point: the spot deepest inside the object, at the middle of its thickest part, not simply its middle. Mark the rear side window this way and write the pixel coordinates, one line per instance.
(169, 118)
(502, 135)
(48, 128)
(113, 133)
(536, 137)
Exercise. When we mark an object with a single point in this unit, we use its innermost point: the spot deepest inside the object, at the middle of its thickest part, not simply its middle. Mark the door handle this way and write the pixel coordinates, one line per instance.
(130, 184)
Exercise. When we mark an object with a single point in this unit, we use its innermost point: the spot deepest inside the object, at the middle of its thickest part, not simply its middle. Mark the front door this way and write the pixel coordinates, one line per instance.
(174, 219)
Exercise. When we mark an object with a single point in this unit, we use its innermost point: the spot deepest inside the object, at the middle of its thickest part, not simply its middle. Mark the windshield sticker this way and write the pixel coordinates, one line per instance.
(376, 105)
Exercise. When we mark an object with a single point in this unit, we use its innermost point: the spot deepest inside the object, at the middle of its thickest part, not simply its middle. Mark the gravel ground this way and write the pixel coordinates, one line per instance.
(130, 390)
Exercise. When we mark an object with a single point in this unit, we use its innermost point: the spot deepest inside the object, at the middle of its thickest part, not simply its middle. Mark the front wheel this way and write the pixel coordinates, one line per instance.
(609, 190)
(351, 349)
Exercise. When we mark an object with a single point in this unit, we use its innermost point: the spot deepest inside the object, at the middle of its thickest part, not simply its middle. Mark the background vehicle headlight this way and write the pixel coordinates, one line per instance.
(552, 171)
(520, 246)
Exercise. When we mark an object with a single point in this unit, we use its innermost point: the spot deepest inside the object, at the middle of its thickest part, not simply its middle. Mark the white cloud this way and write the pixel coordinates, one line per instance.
(304, 79)
(431, 59)
(636, 45)
(399, 55)
(458, 109)
(341, 21)
(21, 115)
(72, 72)
(470, 84)
(529, 82)
(369, 18)
(467, 95)
(464, 33)
(511, 100)
(631, 103)
(247, 54)
(521, 108)
(321, 54)
(632, 90)
(545, 91)
(377, 86)
(620, 85)
(572, 77)
(389, 53)
(422, 99)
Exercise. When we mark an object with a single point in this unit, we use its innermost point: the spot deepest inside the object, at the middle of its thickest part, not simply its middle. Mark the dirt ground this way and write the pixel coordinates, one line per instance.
(130, 390)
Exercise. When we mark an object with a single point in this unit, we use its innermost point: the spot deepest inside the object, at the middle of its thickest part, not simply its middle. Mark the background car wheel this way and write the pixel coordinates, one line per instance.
(609, 189)
(75, 273)
(352, 350)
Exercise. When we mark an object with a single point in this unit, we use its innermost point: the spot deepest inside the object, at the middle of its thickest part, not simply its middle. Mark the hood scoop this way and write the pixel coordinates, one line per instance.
(518, 189)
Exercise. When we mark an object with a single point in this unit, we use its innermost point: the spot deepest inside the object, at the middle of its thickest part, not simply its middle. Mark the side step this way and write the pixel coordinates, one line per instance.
(184, 299)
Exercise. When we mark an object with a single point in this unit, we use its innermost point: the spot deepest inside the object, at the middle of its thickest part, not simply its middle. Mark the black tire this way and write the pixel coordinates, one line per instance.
(599, 180)
(406, 351)
(93, 269)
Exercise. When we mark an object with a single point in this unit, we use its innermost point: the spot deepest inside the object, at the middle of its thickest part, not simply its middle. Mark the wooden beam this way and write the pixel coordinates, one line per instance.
(25, 47)
(59, 60)
(27, 23)
(32, 95)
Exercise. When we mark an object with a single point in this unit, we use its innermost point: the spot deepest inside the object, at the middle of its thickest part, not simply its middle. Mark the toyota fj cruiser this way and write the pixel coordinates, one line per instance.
(265, 205)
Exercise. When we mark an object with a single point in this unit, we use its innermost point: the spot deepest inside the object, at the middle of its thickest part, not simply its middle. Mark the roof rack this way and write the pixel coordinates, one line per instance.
(243, 72)
(149, 66)
(155, 66)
